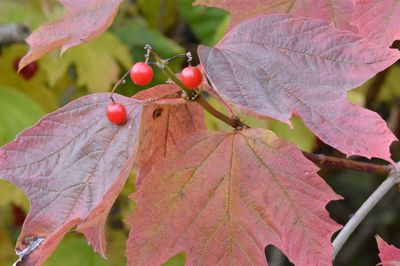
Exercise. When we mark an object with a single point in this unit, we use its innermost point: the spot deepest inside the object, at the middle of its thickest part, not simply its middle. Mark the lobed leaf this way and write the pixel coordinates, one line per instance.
(389, 254)
(339, 11)
(222, 197)
(83, 21)
(378, 20)
(72, 165)
(280, 65)
(96, 63)
(164, 125)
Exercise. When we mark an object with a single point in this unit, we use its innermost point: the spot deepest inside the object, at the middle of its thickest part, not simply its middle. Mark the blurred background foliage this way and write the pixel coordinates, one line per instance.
(170, 27)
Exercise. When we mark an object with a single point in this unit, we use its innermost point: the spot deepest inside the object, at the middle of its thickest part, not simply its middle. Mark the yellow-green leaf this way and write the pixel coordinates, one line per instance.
(36, 87)
(160, 14)
(96, 63)
(21, 112)
(7, 248)
(74, 250)
(12, 194)
(23, 12)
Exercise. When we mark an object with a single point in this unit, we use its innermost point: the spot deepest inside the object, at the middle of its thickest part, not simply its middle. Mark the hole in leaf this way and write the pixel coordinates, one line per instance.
(395, 45)
(275, 257)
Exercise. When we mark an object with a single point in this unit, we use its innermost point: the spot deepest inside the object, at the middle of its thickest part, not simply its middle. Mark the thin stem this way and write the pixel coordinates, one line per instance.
(117, 84)
(235, 123)
(188, 57)
(362, 212)
(324, 160)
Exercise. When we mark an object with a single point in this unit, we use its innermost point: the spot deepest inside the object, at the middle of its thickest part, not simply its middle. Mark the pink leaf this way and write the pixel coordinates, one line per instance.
(279, 65)
(222, 197)
(72, 165)
(338, 11)
(163, 125)
(83, 21)
(389, 255)
(378, 20)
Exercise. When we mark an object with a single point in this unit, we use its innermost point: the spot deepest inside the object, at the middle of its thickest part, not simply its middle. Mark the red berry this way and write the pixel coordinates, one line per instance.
(191, 77)
(141, 74)
(116, 113)
(28, 71)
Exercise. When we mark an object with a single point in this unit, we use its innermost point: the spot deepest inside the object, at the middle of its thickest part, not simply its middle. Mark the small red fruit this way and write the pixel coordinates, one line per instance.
(141, 73)
(28, 71)
(191, 77)
(116, 113)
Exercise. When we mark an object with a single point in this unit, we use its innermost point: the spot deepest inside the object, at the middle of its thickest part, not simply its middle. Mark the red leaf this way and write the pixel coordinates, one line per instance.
(163, 125)
(83, 21)
(223, 197)
(378, 20)
(279, 65)
(338, 11)
(72, 165)
(389, 255)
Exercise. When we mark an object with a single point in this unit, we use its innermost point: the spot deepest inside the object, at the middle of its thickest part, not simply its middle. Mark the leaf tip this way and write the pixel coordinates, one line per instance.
(26, 60)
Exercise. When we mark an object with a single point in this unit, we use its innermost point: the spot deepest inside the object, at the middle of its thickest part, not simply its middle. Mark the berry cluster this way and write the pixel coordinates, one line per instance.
(141, 74)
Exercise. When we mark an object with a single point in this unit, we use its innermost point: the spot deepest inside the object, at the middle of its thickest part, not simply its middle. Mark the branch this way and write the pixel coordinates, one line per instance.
(362, 212)
(324, 160)
(13, 33)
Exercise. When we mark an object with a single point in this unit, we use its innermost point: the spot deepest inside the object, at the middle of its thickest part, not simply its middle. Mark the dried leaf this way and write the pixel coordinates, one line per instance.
(96, 63)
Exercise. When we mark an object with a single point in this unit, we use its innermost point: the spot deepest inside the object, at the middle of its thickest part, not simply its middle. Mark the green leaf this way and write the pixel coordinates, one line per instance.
(391, 89)
(299, 134)
(160, 14)
(389, 92)
(12, 194)
(7, 256)
(208, 24)
(19, 112)
(135, 33)
(12, 11)
(36, 87)
(177, 260)
(74, 250)
(96, 63)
